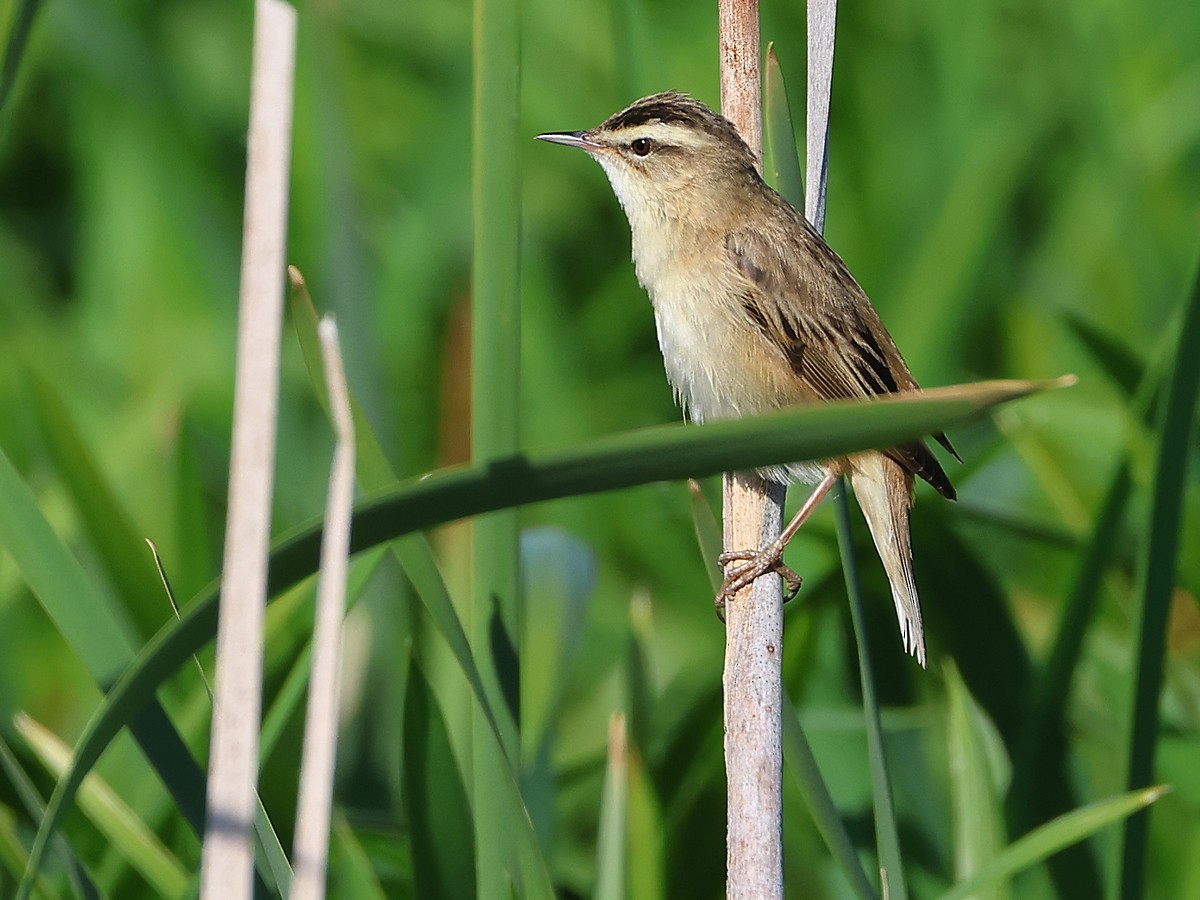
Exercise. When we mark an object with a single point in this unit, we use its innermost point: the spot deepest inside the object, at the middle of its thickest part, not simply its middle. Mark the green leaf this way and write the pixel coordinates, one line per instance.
(1157, 577)
(614, 802)
(121, 548)
(14, 51)
(1052, 837)
(440, 824)
(975, 792)
(112, 817)
(708, 532)
(780, 135)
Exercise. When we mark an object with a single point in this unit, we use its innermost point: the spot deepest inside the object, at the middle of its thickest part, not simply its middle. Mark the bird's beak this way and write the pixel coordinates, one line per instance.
(572, 139)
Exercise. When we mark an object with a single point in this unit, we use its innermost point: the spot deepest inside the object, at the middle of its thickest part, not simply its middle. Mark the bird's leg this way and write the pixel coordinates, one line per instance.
(754, 563)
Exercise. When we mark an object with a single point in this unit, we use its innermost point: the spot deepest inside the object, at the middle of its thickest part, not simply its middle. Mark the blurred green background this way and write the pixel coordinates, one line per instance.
(1015, 184)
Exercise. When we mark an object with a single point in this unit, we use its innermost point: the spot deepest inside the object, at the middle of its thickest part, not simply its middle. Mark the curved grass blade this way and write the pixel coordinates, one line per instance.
(1052, 837)
(640, 457)
(1157, 578)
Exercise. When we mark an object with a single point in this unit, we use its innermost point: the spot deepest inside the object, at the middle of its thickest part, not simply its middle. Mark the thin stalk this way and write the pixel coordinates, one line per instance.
(314, 804)
(228, 861)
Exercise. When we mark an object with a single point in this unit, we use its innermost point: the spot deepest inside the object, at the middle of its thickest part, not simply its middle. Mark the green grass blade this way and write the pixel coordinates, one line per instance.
(35, 808)
(120, 547)
(887, 835)
(497, 611)
(798, 756)
(439, 817)
(14, 50)
(1114, 356)
(12, 859)
(612, 838)
(975, 792)
(708, 532)
(1053, 837)
(780, 135)
(1157, 578)
(1041, 755)
(91, 627)
(80, 612)
(371, 466)
(352, 874)
(121, 827)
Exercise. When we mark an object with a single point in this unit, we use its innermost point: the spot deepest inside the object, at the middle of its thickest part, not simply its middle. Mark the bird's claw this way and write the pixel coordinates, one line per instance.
(751, 565)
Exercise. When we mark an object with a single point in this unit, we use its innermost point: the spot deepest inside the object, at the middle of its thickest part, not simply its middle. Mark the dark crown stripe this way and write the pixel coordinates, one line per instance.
(673, 108)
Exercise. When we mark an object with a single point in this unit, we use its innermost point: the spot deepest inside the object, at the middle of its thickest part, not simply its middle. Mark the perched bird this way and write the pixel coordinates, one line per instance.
(755, 312)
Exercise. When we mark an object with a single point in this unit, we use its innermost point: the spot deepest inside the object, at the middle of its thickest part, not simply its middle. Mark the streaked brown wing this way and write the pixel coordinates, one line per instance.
(826, 327)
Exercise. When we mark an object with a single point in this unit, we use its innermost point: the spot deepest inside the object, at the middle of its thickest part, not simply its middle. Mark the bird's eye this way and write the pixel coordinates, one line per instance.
(641, 146)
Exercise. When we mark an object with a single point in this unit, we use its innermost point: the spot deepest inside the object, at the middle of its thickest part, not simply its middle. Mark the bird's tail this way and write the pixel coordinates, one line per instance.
(884, 492)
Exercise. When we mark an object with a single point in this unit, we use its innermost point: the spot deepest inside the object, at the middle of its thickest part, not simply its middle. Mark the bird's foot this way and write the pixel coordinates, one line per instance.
(751, 564)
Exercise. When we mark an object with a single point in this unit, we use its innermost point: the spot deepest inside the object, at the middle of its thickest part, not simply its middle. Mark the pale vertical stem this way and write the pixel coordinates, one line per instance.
(822, 16)
(228, 862)
(310, 850)
(753, 517)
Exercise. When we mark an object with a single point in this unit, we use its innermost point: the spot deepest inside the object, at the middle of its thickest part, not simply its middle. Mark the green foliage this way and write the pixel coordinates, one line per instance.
(1015, 186)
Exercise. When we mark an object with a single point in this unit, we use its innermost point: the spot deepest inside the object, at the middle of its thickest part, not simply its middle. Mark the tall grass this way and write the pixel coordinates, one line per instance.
(1014, 187)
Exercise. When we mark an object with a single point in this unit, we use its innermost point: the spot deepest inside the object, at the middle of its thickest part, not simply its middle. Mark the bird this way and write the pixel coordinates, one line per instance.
(755, 312)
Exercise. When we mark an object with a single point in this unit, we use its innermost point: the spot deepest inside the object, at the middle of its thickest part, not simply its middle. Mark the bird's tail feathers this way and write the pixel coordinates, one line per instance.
(884, 493)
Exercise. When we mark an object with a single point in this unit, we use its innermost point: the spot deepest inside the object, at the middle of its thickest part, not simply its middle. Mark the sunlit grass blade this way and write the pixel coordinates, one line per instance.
(1052, 837)
(1157, 577)
(12, 860)
(112, 817)
(799, 758)
(35, 808)
(612, 838)
(887, 835)
(975, 787)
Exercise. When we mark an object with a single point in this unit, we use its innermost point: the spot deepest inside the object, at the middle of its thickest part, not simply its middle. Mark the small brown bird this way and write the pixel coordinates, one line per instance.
(755, 312)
